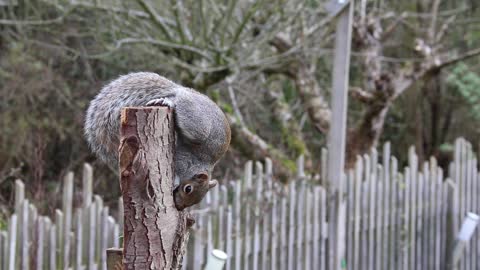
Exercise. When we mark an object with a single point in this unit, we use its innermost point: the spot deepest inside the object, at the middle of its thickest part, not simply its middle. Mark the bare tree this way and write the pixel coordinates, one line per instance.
(242, 46)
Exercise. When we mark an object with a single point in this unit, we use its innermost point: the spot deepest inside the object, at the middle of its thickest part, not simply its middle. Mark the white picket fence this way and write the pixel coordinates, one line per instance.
(76, 238)
(395, 219)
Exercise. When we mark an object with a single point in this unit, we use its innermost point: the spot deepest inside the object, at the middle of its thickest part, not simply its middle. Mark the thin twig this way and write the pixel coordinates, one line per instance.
(236, 109)
(156, 18)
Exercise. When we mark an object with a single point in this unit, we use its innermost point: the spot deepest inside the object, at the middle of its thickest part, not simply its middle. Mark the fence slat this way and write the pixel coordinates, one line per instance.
(433, 212)
(18, 209)
(274, 235)
(291, 226)
(91, 243)
(419, 219)
(371, 222)
(380, 203)
(2, 257)
(350, 215)
(12, 241)
(283, 234)
(3, 250)
(247, 237)
(413, 166)
(316, 227)
(407, 228)
(39, 245)
(323, 229)
(104, 238)
(257, 214)
(357, 213)
(24, 233)
(238, 228)
(78, 238)
(67, 223)
(308, 229)
(475, 209)
(229, 238)
(477, 256)
(299, 227)
(437, 219)
(265, 236)
(53, 248)
(198, 251)
(98, 202)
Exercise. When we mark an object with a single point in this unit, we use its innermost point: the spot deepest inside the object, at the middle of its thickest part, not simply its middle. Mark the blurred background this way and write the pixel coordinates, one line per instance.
(414, 78)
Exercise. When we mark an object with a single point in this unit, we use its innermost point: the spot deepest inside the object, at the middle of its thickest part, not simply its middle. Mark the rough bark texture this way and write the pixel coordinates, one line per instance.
(310, 92)
(155, 232)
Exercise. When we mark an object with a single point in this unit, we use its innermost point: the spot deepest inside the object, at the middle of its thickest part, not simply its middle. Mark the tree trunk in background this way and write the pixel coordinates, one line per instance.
(155, 232)
(365, 136)
(419, 123)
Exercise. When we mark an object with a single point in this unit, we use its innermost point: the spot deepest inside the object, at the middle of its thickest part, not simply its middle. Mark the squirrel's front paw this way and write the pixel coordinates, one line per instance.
(161, 102)
(190, 221)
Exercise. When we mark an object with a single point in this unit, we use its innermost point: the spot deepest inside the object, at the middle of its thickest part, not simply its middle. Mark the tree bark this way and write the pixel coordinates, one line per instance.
(155, 232)
(310, 92)
(365, 136)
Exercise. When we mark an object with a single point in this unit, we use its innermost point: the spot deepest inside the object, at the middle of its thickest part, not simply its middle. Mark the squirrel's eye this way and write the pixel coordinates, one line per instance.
(188, 189)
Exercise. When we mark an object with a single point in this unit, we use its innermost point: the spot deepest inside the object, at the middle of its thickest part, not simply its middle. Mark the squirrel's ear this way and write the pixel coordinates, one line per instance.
(212, 183)
(202, 177)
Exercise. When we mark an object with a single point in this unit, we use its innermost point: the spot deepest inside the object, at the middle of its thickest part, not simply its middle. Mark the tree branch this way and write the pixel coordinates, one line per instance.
(180, 20)
(244, 137)
(361, 95)
(59, 19)
(34, 23)
(236, 109)
(433, 22)
(307, 86)
(160, 21)
(456, 59)
(404, 81)
(444, 28)
(165, 44)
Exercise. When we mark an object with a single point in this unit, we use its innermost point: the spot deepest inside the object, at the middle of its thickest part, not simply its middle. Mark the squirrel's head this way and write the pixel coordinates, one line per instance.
(192, 191)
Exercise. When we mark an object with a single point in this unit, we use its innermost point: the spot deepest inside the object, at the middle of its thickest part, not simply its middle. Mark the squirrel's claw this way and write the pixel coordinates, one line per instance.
(161, 102)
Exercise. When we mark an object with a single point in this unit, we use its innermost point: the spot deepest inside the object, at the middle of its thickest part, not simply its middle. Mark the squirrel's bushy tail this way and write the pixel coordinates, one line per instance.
(102, 122)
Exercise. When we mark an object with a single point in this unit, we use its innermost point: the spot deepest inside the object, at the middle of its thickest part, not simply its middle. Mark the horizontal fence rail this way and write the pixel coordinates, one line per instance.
(395, 219)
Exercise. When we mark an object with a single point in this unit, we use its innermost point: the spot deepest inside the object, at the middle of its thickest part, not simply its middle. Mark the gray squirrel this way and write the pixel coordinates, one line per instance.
(203, 132)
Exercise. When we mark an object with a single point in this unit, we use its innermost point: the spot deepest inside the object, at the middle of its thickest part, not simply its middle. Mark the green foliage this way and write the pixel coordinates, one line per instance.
(3, 223)
(289, 91)
(215, 95)
(293, 142)
(227, 108)
(289, 164)
(446, 147)
(467, 83)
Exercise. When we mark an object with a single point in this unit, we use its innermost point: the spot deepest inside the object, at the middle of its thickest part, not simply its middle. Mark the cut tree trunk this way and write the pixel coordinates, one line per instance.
(155, 232)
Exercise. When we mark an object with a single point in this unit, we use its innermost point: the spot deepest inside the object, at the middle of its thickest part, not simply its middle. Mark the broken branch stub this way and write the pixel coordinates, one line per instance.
(155, 232)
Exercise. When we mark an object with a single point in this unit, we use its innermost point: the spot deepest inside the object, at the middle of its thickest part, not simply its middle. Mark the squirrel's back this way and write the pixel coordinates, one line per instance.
(102, 123)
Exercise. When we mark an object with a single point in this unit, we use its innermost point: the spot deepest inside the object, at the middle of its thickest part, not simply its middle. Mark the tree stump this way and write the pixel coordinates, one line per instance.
(155, 232)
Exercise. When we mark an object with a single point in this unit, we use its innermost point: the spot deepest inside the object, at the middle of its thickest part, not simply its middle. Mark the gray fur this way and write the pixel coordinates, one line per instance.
(203, 133)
